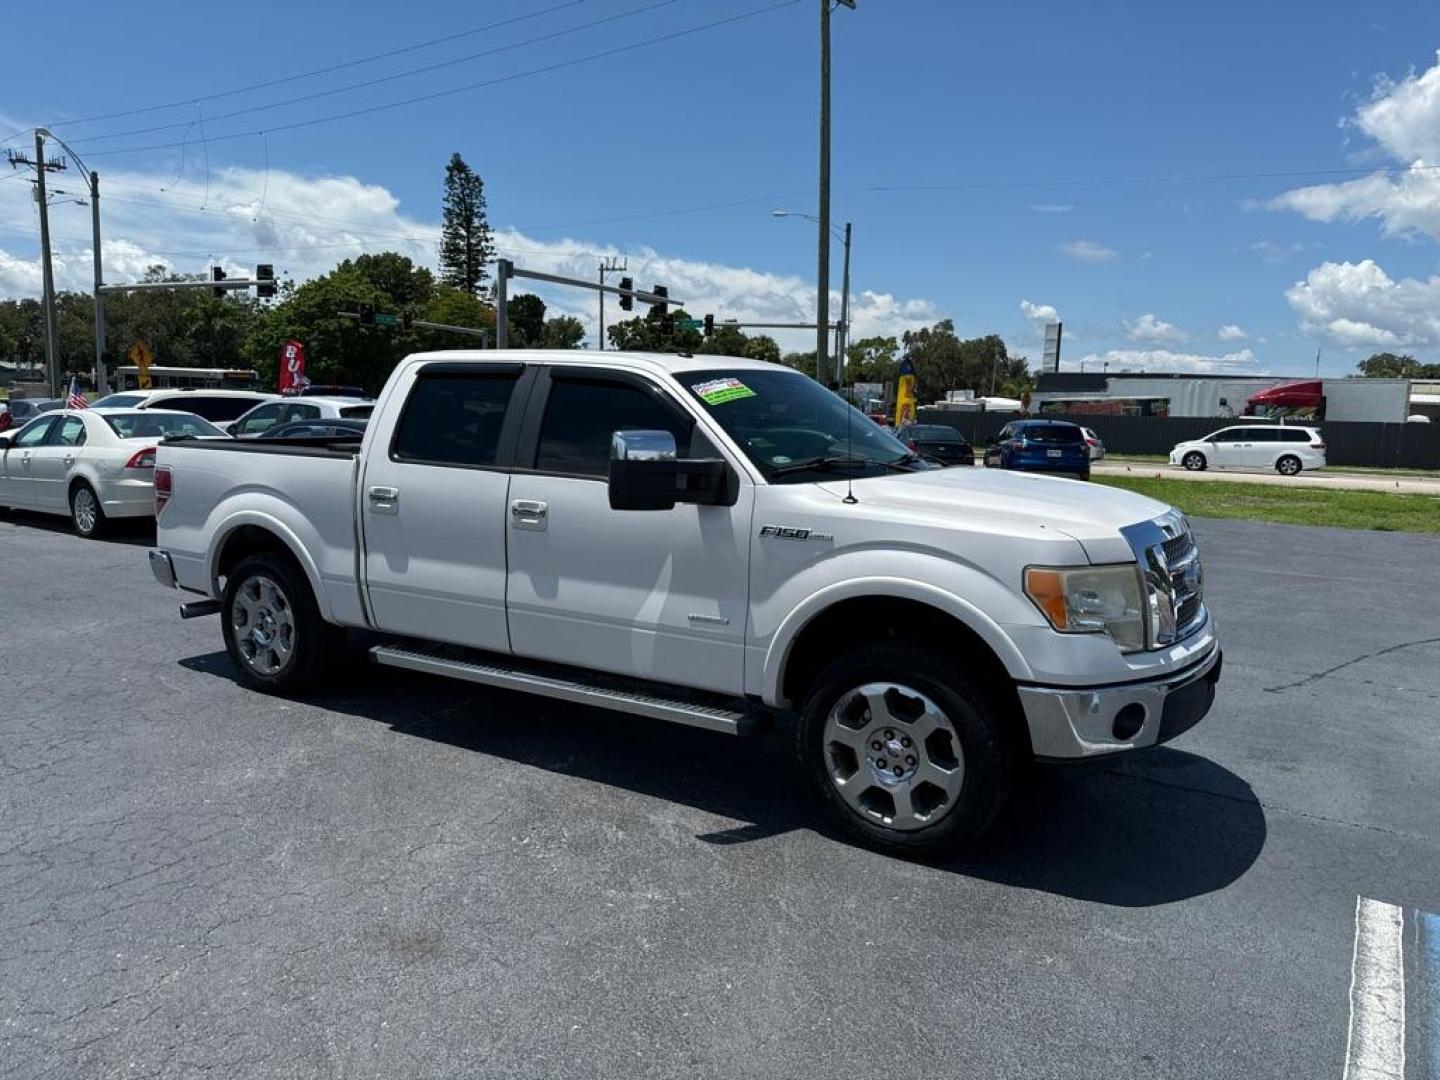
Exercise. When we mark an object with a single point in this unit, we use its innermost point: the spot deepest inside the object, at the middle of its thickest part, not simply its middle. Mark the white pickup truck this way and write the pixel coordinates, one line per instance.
(710, 541)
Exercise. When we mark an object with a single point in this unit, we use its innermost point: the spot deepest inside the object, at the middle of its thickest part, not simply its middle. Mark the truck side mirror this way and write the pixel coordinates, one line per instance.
(645, 474)
(6, 440)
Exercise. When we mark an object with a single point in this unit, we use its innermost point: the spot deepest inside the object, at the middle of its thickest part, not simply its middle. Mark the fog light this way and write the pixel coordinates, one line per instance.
(1129, 721)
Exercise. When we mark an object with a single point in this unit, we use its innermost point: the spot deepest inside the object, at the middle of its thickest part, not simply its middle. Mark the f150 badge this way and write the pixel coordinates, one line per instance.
(785, 532)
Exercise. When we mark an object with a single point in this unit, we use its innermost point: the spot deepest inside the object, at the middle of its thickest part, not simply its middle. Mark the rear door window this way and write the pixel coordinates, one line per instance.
(454, 419)
(263, 418)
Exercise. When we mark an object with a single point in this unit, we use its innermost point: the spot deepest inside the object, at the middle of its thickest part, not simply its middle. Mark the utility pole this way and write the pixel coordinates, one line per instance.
(608, 265)
(842, 336)
(101, 379)
(47, 274)
(822, 284)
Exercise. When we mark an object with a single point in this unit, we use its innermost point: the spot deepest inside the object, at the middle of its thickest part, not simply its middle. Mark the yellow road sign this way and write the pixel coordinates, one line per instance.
(140, 355)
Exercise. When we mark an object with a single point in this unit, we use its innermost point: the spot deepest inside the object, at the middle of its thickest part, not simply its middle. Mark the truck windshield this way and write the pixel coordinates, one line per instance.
(793, 428)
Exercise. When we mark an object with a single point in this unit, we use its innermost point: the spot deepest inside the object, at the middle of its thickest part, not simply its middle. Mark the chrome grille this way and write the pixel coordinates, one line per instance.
(1170, 564)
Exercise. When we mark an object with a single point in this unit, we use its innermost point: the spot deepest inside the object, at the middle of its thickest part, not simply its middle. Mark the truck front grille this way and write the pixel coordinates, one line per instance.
(1170, 564)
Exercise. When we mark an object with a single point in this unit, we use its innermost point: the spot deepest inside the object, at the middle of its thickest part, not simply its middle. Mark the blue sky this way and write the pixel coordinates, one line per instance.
(1110, 161)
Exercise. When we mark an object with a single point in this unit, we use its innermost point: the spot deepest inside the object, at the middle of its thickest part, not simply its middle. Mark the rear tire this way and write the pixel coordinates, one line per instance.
(910, 753)
(1194, 461)
(1288, 465)
(273, 629)
(86, 513)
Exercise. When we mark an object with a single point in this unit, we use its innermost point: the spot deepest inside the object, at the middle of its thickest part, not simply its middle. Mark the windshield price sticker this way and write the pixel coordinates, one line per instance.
(719, 391)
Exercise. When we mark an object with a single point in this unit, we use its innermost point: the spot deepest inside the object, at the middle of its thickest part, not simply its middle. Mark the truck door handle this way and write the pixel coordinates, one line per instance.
(69, 459)
(384, 500)
(529, 514)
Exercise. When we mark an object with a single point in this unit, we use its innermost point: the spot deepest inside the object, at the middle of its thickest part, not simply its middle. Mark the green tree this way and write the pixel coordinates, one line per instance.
(563, 332)
(803, 362)
(873, 359)
(945, 362)
(465, 241)
(1387, 365)
(454, 308)
(526, 314)
(649, 333)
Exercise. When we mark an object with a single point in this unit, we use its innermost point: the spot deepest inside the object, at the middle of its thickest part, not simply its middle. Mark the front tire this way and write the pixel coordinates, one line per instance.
(910, 753)
(1194, 461)
(273, 629)
(86, 513)
(1288, 465)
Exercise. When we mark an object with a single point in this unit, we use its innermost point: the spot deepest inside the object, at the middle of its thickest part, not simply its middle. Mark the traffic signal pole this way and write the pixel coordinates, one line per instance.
(505, 270)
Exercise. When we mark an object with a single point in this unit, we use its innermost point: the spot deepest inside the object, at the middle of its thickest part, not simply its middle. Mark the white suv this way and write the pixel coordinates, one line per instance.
(286, 410)
(1285, 448)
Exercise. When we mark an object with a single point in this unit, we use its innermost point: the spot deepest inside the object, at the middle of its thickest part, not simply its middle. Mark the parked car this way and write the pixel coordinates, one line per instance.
(333, 390)
(1286, 448)
(287, 410)
(217, 406)
(316, 429)
(93, 464)
(1043, 446)
(18, 412)
(1097, 447)
(706, 540)
(939, 442)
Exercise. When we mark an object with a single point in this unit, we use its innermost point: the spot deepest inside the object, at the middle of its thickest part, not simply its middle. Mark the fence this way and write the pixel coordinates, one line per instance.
(1408, 446)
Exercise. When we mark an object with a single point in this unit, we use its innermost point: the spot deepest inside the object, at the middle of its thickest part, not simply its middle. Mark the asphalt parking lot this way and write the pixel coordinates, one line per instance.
(406, 877)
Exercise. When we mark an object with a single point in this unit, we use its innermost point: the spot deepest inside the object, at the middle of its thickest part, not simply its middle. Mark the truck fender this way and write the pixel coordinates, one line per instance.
(812, 606)
(226, 528)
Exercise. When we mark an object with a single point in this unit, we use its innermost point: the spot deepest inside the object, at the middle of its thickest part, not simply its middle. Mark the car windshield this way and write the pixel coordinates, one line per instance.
(1052, 433)
(936, 432)
(117, 401)
(793, 428)
(158, 425)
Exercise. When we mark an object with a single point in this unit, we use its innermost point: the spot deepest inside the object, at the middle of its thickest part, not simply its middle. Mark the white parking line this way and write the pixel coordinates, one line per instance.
(1375, 1049)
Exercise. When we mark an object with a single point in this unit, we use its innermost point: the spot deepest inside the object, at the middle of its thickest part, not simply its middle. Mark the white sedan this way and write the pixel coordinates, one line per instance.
(92, 464)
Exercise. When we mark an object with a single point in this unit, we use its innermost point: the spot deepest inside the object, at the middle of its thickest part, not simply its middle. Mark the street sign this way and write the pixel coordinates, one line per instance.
(383, 318)
(690, 324)
(141, 356)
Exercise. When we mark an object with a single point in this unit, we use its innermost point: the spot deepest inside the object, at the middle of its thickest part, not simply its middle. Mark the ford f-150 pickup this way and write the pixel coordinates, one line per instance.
(711, 541)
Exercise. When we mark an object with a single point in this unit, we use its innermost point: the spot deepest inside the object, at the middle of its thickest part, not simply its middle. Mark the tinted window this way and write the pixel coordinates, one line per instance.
(1294, 435)
(33, 434)
(454, 419)
(1052, 433)
(936, 433)
(68, 431)
(296, 411)
(357, 412)
(1227, 436)
(118, 401)
(581, 416)
(23, 410)
(211, 408)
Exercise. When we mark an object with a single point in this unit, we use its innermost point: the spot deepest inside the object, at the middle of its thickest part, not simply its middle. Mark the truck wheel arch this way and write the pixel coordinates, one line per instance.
(247, 534)
(806, 640)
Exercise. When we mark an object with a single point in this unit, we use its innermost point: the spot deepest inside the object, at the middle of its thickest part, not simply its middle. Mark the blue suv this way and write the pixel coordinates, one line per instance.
(1043, 446)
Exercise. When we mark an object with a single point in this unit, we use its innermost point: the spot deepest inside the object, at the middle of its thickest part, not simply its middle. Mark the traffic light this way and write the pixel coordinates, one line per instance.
(264, 280)
(367, 314)
(626, 300)
(217, 274)
(660, 310)
(709, 325)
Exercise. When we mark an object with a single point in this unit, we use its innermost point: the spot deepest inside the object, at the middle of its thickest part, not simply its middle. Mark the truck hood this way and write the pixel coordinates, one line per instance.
(1092, 514)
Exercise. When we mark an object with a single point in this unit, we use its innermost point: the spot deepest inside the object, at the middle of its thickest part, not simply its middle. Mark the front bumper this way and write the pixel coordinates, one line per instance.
(1067, 723)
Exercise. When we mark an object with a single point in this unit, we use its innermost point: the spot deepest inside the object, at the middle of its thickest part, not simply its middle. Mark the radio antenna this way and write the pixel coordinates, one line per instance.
(849, 444)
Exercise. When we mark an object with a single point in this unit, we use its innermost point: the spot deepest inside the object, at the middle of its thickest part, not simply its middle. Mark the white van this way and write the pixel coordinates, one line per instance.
(1286, 448)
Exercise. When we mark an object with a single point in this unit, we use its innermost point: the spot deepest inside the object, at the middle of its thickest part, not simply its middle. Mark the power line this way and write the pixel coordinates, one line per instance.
(367, 110)
(324, 70)
(87, 140)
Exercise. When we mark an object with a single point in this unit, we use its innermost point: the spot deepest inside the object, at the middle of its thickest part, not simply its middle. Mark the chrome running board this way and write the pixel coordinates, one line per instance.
(692, 708)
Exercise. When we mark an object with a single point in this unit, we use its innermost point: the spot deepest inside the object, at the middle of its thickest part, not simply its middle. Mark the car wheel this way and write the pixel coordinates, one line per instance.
(86, 513)
(273, 629)
(1288, 465)
(1194, 461)
(910, 753)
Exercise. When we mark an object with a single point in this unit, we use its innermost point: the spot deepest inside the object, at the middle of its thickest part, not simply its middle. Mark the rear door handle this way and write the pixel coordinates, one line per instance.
(529, 514)
(384, 500)
(69, 459)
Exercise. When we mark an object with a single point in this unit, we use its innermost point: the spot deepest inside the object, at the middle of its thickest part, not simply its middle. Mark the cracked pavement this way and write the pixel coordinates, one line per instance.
(409, 877)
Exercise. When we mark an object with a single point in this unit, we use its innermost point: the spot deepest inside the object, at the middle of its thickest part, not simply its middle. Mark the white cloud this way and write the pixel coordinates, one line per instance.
(1403, 119)
(1231, 332)
(1165, 360)
(304, 225)
(1358, 305)
(1039, 314)
(1088, 251)
(1153, 331)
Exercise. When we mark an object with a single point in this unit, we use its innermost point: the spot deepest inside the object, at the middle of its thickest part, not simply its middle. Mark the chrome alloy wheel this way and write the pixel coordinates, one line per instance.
(264, 625)
(85, 509)
(893, 756)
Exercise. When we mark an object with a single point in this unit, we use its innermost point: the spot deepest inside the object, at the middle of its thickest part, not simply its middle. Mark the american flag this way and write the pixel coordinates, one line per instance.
(75, 399)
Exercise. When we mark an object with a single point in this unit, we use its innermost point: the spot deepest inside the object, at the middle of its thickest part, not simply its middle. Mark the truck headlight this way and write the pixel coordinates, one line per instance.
(1091, 600)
